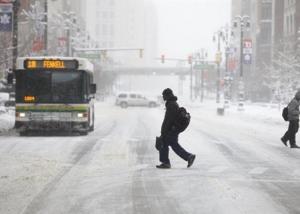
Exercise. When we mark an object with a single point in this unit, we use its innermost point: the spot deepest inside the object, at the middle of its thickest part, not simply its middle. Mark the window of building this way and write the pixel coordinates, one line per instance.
(104, 29)
(266, 11)
(287, 24)
(104, 15)
(111, 30)
(292, 24)
(112, 15)
(266, 32)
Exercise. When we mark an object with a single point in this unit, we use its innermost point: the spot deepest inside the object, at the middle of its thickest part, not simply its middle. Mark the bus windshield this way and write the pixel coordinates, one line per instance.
(50, 86)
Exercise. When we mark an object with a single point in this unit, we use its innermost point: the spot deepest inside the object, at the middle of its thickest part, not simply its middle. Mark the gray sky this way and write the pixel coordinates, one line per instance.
(188, 25)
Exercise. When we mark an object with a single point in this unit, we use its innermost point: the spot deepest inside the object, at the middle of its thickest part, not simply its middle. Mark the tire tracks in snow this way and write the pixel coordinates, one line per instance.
(270, 183)
(148, 193)
(40, 200)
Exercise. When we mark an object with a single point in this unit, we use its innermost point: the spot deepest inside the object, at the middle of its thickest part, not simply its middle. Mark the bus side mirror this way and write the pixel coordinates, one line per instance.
(10, 78)
(93, 88)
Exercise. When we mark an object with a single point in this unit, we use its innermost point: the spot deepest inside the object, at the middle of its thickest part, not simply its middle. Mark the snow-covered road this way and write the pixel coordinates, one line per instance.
(241, 166)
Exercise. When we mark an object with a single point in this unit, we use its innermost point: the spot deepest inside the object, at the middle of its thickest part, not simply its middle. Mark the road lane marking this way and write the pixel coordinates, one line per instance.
(258, 171)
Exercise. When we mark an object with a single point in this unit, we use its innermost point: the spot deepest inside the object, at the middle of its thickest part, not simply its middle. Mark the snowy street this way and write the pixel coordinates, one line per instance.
(241, 166)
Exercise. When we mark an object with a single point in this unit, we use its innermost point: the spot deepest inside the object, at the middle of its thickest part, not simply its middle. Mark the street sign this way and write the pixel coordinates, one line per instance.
(247, 58)
(203, 67)
(89, 55)
(248, 43)
(247, 51)
(62, 41)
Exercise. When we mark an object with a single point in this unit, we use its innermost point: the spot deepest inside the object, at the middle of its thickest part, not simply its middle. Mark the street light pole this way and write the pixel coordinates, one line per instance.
(218, 68)
(219, 35)
(190, 61)
(244, 23)
(241, 53)
(68, 41)
(16, 6)
(203, 60)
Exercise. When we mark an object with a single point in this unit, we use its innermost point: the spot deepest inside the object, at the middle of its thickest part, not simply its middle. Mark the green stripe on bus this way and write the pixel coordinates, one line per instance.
(52, 108)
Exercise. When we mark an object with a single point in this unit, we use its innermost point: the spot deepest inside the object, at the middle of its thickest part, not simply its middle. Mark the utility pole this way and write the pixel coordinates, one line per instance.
(16, 6)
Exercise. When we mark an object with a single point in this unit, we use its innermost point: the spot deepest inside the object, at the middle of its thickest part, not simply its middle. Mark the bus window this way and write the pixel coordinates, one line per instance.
(67, 86)
(35, 84)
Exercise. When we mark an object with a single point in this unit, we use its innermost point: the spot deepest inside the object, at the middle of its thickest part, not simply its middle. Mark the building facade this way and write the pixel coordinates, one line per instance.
(124, 24)
(291, 26)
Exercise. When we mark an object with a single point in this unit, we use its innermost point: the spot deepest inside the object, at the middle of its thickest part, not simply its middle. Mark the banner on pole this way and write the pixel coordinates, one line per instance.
(6, 18)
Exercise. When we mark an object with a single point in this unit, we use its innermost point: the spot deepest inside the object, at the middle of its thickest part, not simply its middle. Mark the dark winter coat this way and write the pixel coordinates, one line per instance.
(293, 108)
(171, 110)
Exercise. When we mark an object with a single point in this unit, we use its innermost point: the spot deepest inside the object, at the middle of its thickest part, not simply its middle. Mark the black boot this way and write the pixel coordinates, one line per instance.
(164, 166)
(283, 141)
(191, 160)
(295, 146)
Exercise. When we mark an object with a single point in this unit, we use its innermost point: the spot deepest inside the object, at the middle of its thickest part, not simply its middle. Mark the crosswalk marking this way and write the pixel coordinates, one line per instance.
(258, 170)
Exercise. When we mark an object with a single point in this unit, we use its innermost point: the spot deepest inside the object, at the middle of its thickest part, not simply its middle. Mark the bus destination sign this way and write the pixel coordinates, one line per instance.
(50, 64)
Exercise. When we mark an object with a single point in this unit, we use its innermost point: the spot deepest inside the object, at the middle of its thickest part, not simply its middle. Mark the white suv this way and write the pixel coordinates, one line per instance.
(134, 99)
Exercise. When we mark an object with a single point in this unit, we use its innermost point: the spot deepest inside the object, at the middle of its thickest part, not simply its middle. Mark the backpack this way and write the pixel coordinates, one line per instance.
(285, 113)
(182, 120)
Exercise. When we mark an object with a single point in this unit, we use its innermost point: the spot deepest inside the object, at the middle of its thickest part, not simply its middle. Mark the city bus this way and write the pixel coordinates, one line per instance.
(54, 93)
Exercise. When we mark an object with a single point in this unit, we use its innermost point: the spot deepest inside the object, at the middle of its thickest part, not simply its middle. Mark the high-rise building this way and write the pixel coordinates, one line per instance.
(291, 26)
(124, 24)
(66, 23)
(278, 26)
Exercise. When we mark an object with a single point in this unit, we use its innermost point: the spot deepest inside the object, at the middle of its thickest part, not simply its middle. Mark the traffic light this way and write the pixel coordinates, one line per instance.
(162, 58)
(141, 53)
(104, 53)
(218, 58)
(190, 60)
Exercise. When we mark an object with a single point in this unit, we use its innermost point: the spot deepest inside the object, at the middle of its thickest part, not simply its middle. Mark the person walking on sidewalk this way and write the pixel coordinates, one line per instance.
(169, 133)
(293, 118)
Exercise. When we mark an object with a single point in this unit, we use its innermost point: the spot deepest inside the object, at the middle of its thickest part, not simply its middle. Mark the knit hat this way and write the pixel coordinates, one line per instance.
(167, 92)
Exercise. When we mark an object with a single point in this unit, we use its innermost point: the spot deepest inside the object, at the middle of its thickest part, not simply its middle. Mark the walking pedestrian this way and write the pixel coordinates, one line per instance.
(169, 133)
(293, 118)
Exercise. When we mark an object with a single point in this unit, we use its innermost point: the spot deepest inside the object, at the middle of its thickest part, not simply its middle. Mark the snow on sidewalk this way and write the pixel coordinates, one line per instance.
(7, 120)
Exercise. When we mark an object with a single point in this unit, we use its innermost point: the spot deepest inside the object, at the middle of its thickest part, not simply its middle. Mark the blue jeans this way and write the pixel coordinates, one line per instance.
(171, 139)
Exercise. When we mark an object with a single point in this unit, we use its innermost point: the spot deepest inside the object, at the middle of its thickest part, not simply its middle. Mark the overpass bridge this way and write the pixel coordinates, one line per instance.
(149, 71)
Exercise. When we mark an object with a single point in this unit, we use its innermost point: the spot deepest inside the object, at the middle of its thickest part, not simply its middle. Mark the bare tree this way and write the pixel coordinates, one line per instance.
(282, 76)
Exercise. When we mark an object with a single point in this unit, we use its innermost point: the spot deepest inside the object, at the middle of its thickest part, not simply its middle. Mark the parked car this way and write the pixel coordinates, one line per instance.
(135, 99)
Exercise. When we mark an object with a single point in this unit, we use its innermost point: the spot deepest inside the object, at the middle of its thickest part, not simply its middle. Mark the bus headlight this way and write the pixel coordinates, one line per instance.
(81, 115)
(21, 114)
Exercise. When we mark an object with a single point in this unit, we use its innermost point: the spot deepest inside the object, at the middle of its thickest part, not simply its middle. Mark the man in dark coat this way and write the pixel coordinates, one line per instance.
(169, 133)
(293, 117)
